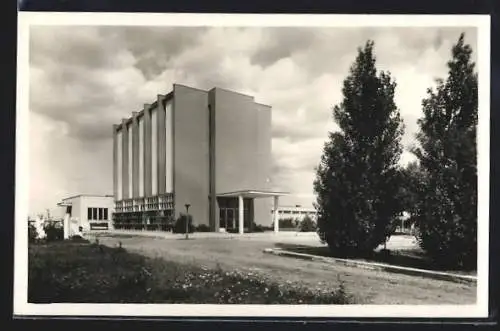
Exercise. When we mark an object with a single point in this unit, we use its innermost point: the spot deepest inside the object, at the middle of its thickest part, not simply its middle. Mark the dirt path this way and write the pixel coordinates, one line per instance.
(367, 286)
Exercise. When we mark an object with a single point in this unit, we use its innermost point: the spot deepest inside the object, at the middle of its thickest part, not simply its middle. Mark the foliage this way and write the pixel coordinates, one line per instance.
(90, 273)
(203, 228)
(287, 223)
(413, 177)
(53, 232)
(358, 178)
(180, 224)
(447, 210)
(258, 228)
(32, 233)
(307, 224)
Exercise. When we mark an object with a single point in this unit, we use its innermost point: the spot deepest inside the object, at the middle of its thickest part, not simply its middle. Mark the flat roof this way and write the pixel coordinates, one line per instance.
(89, 195)
(169, 95)
(252, 193)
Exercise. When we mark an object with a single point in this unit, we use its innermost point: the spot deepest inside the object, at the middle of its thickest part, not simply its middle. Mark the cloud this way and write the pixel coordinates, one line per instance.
(83, 79)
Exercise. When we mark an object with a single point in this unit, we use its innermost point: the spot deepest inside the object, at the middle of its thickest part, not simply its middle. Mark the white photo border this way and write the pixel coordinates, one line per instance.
(27, 19)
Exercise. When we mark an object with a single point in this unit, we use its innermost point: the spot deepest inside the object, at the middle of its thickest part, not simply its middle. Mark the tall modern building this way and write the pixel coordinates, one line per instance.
(209, 149)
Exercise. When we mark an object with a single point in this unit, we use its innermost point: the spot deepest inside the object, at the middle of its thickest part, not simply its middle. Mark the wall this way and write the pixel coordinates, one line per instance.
(190, 146)
(93, 202)
(169, 145)
(141, 156)
(263, 167)
(76, 209)
(130, 160)
(119, 166)
(243, 148)
(154, 151)
(235, 127)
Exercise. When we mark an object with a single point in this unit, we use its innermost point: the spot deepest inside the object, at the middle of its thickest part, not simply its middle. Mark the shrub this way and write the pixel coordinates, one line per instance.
(203, 228)
(180, 224)
(54, 232)
(32, 234)
(78, 239)
(307, 225)
(287, 223)
(257, 228)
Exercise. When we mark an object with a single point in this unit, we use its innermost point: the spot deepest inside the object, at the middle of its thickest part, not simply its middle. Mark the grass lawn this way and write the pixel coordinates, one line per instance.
(412, 258)
(82, 272)
(246, 254)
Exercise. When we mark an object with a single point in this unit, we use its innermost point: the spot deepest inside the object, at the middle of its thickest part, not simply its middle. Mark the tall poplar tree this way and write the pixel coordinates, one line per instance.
(358, 178)
(447, 210)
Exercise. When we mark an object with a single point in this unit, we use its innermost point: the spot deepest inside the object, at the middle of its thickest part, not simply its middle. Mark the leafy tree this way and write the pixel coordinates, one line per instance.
(447, 212)
(307, 224)
(180, 224)
(413, 177)
(358, 178)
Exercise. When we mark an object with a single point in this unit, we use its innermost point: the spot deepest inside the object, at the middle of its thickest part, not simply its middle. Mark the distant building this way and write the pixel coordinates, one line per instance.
(296, 212)
(209, 149)
(89, 211)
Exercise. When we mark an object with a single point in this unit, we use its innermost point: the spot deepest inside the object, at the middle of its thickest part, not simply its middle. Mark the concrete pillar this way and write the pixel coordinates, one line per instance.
(66, 226)
(161, 145)
(147, 150)
(241, 214)
(275, 215)
(135, 155)
(115, 161)
(125, 170)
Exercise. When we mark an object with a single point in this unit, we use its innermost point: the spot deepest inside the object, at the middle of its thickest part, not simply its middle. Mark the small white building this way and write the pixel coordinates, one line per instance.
(296, 212)
(90, 211)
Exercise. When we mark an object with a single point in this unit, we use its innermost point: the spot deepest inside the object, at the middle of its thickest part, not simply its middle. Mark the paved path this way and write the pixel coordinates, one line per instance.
(367, 286)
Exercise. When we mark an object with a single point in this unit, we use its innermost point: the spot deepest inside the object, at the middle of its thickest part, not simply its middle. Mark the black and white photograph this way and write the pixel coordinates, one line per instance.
(252, 165)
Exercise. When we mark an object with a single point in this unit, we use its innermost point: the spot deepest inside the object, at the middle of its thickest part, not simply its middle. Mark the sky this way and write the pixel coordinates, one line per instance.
(83, 79)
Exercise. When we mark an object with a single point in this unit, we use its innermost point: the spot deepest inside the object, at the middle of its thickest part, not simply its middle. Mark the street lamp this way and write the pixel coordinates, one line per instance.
(187, 220)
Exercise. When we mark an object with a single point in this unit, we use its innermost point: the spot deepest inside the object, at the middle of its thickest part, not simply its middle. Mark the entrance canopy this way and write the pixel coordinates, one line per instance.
(252, 194)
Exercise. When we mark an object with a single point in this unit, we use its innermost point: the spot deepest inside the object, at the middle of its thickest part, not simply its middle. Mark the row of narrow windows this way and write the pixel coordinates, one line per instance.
(97, 214)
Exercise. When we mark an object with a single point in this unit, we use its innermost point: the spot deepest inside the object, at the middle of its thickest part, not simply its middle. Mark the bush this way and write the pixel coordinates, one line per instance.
(307, 225)
(287, 223)
(203, 228)
(180, 224)
(32, 234)
(54, 232)
(258, 228)
(78, 239)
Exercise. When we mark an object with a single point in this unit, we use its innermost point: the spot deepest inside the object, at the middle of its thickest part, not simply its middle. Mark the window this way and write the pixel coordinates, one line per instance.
(97, 214)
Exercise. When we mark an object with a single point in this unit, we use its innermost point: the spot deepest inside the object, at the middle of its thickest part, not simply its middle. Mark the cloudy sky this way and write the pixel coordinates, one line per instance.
(83, 79)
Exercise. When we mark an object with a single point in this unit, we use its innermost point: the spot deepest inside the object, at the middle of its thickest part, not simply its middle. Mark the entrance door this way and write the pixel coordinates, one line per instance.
(228, 219)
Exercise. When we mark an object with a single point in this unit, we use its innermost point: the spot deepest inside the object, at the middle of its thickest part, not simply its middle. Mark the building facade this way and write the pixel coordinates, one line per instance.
(296, 212)
(89, 211)
(210, 150)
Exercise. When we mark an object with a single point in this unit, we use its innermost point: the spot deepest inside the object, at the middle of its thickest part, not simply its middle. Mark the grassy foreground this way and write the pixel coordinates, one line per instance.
(83, 272)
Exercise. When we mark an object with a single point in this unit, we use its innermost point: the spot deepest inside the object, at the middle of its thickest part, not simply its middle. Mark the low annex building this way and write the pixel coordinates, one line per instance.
(89, 211)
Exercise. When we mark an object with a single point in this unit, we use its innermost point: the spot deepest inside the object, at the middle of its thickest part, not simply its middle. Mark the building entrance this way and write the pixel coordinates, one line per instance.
(229, 214)
(228, 218)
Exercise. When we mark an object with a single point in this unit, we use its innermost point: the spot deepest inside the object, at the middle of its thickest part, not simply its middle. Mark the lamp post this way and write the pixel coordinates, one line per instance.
(187, 220)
